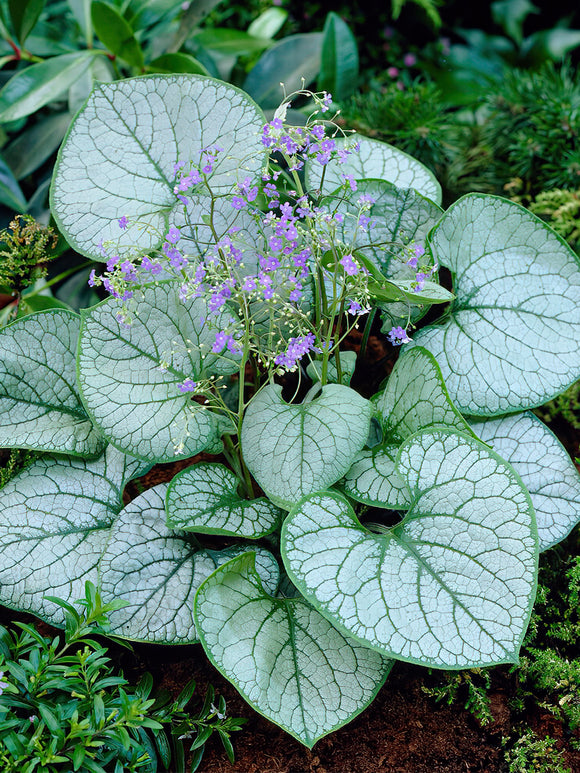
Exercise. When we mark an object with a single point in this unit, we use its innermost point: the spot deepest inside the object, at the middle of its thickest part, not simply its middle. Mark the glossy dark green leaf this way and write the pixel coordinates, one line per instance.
(225, 41)
(10, 193)
(116, 34)
(178, 62)
(37, 85)
(82, 12)
(42, 302)
(32, 147)
(24, 15)
(294, 61)
(268, 23)
(339, 60)
(551, 44)
(511, 14)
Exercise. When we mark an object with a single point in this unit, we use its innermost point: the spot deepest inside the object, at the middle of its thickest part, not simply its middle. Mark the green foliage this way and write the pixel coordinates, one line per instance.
(561, 209)
(530, 753)
(63, 705)
(567, 405)
(550, 666)
(470, 686)
(12, 462)
(429, 6)
(414, 119)
(533, 128)
(25, 248)
(468, 71)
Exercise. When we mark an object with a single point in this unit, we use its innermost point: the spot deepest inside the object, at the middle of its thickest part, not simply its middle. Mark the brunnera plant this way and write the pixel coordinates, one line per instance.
(238, 254)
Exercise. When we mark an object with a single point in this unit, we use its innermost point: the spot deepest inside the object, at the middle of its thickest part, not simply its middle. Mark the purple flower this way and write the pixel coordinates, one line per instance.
(123, 222)
(296, 349)
(398, 336)
(296, 294)
(317, 132)
(392, 72)
(221, 340)
(409, 60)
(420, 278)
(238, 202)
(270, 263)
(349, 265)
(92, 278)
(326, 101)
(349, 178)
(173, 235)
(187, 386)
(249, 284)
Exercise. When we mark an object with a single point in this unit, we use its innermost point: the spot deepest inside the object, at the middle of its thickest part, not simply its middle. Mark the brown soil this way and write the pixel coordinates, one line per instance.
(403, 731)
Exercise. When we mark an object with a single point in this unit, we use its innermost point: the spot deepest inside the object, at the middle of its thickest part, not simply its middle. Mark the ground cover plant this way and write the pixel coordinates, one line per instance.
(63, 706)
(334, 534)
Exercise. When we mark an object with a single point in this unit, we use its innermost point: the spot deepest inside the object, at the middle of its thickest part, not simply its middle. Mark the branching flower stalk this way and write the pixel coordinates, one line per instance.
(291, 287)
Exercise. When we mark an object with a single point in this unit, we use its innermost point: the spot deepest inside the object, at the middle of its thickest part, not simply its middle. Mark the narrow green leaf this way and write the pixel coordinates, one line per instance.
(339, 60)
(40, 407)
(230, 42)
(268, 23)
(116, 34)
(196, 759)
(37, 85)
(78, 755)
(10, 193)
(186, 695)
(32, 147)
(50, 720)
(24, 15)
(163, 748)
(452, 585)
(177, 62)
(294, 61)
(293, 450)
(286, 660)
(82, 12)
